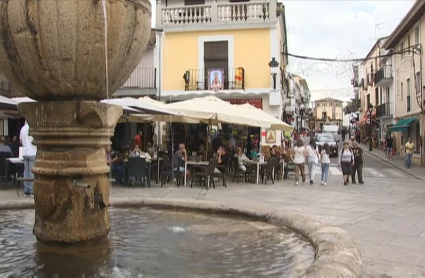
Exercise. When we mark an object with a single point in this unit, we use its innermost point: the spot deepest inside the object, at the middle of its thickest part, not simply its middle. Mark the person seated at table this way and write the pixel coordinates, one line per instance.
(241, 159)
(274, 151)
(180, 157)
(149, 149)
(5, 148)
(14, 145)
(232, 151)
(115, 161)
(222, 160)
(254, 153)
(201, 151)
(135, 151)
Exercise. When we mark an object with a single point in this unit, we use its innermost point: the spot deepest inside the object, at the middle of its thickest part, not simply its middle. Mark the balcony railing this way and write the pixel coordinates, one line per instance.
(142, 78)
(216, 79)
(383, 110)
(384, 76)
(247, 12)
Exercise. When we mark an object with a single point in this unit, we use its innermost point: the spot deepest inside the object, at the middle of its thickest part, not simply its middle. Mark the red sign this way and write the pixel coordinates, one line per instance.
(256, 102)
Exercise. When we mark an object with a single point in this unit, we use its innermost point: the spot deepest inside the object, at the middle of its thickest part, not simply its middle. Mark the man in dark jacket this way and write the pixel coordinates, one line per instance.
(358, 164)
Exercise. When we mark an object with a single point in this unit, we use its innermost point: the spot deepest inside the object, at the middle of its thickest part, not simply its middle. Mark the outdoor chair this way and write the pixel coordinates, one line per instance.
(267, 171)
(237, 172)
(3, 164)
(205, 176)
(221, 174)
(168, 173)
(136, 168)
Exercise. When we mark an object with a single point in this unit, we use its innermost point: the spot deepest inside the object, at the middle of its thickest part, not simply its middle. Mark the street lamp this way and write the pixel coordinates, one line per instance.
(274, 66)
(284, 114)
(370, 125)
(302, 110)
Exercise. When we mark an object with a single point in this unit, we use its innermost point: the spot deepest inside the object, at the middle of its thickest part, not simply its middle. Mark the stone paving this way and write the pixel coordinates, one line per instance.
(385, 216)
(396, 161)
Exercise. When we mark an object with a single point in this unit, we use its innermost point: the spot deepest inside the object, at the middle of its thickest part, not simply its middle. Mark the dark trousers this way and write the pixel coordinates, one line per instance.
(359, 170)
(117, 171)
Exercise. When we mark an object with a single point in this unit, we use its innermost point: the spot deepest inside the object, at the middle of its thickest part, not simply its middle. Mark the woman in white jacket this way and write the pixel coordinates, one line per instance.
(313, 158)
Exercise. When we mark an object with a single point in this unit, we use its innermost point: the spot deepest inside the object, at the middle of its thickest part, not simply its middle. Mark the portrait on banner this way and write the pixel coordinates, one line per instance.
(270, 136)
(215, 79)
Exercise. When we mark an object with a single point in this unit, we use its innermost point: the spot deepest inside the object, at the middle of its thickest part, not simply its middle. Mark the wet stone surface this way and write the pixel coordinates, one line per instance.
(162, 243)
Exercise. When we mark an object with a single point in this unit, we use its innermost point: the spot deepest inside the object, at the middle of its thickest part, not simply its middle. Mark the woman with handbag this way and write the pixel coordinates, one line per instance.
(313, 158)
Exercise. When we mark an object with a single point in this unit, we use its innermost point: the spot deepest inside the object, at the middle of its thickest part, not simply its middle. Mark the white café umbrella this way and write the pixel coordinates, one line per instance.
(140, 106)
(164, 117)
(212, 110)
(275, 124)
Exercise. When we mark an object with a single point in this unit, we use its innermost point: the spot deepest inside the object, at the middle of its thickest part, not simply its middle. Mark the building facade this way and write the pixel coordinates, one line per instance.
(328, 111)
(145, 77)
(406, 42)
(223, 48)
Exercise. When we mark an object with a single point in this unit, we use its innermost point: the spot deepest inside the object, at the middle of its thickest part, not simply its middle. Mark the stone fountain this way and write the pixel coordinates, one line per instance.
(54, 52)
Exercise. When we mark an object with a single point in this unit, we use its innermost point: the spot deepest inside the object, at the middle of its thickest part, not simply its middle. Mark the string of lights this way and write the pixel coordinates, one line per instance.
(356, 60)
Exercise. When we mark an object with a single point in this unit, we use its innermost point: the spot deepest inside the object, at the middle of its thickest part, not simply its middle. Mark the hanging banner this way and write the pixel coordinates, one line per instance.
(256, 102)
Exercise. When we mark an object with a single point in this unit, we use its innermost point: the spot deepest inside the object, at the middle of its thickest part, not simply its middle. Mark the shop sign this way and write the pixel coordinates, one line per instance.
(256, 102)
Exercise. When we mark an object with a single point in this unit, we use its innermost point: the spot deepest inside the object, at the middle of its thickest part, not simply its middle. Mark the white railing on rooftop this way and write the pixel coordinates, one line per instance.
(214, 13)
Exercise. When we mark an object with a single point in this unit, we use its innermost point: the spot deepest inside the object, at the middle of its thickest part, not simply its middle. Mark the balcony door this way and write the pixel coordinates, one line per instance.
(216, 56)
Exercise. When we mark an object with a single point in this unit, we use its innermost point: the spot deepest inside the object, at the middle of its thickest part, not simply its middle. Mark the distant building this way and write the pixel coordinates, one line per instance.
(407, 86)
(328, 111)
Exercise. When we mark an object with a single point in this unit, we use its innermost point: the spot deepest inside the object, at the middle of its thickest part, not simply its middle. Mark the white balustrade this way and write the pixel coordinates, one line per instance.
(218, 13)
(186, 15)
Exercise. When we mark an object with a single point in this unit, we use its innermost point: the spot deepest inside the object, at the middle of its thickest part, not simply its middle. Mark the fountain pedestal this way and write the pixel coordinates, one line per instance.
(71, 182)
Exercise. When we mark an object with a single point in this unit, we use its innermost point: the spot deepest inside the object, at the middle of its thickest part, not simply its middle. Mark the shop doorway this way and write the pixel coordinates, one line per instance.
(14, 127)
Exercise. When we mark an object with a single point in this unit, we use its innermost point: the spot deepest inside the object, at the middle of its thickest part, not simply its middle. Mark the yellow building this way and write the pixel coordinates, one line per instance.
(328, 111)
(223, 48)
(407, 41)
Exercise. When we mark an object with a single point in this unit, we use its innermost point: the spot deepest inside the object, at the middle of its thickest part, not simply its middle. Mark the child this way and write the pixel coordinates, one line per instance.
(325, 163)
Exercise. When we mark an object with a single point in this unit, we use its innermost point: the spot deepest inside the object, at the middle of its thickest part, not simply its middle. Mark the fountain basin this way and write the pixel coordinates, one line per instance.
(335, 252)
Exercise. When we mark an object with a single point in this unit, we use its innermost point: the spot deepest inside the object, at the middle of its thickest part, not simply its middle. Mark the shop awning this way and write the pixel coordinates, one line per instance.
(403, 124)
(364, 120)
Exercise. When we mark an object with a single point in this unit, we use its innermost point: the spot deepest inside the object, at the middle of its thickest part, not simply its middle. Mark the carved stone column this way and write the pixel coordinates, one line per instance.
(71, 182)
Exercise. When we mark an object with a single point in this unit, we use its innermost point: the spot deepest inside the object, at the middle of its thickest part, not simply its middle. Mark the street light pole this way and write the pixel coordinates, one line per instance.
(302, 115)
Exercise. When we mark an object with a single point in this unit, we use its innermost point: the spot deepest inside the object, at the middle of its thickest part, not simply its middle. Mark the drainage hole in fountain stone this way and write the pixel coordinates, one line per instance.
(148, 242)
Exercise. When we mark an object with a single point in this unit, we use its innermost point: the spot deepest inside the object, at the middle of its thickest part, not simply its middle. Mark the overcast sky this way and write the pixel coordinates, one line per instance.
(335, 29)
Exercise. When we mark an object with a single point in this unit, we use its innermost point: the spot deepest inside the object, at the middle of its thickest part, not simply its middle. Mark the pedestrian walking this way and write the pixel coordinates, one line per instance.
(29, 152)
(346, 162)
(299, 160)
(326, 161)
(358, 133)
(389, 145)
(409, 147)
(313, 158)
(358, 164)
(343, 131)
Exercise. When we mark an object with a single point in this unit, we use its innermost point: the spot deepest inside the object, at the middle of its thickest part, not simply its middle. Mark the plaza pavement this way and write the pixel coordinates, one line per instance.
(385, 216)
(396, 161)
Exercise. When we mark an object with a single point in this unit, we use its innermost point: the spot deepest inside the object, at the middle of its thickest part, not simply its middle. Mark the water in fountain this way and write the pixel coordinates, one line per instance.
(116, 269)
(158, 243)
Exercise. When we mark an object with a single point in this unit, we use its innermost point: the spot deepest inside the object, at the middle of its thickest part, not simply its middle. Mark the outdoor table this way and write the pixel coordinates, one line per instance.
(257, 163)
(14, 160)
(193, 163)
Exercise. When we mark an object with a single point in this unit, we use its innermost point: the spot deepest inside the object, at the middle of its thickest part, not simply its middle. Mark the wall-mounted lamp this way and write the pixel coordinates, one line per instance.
(274, 67)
